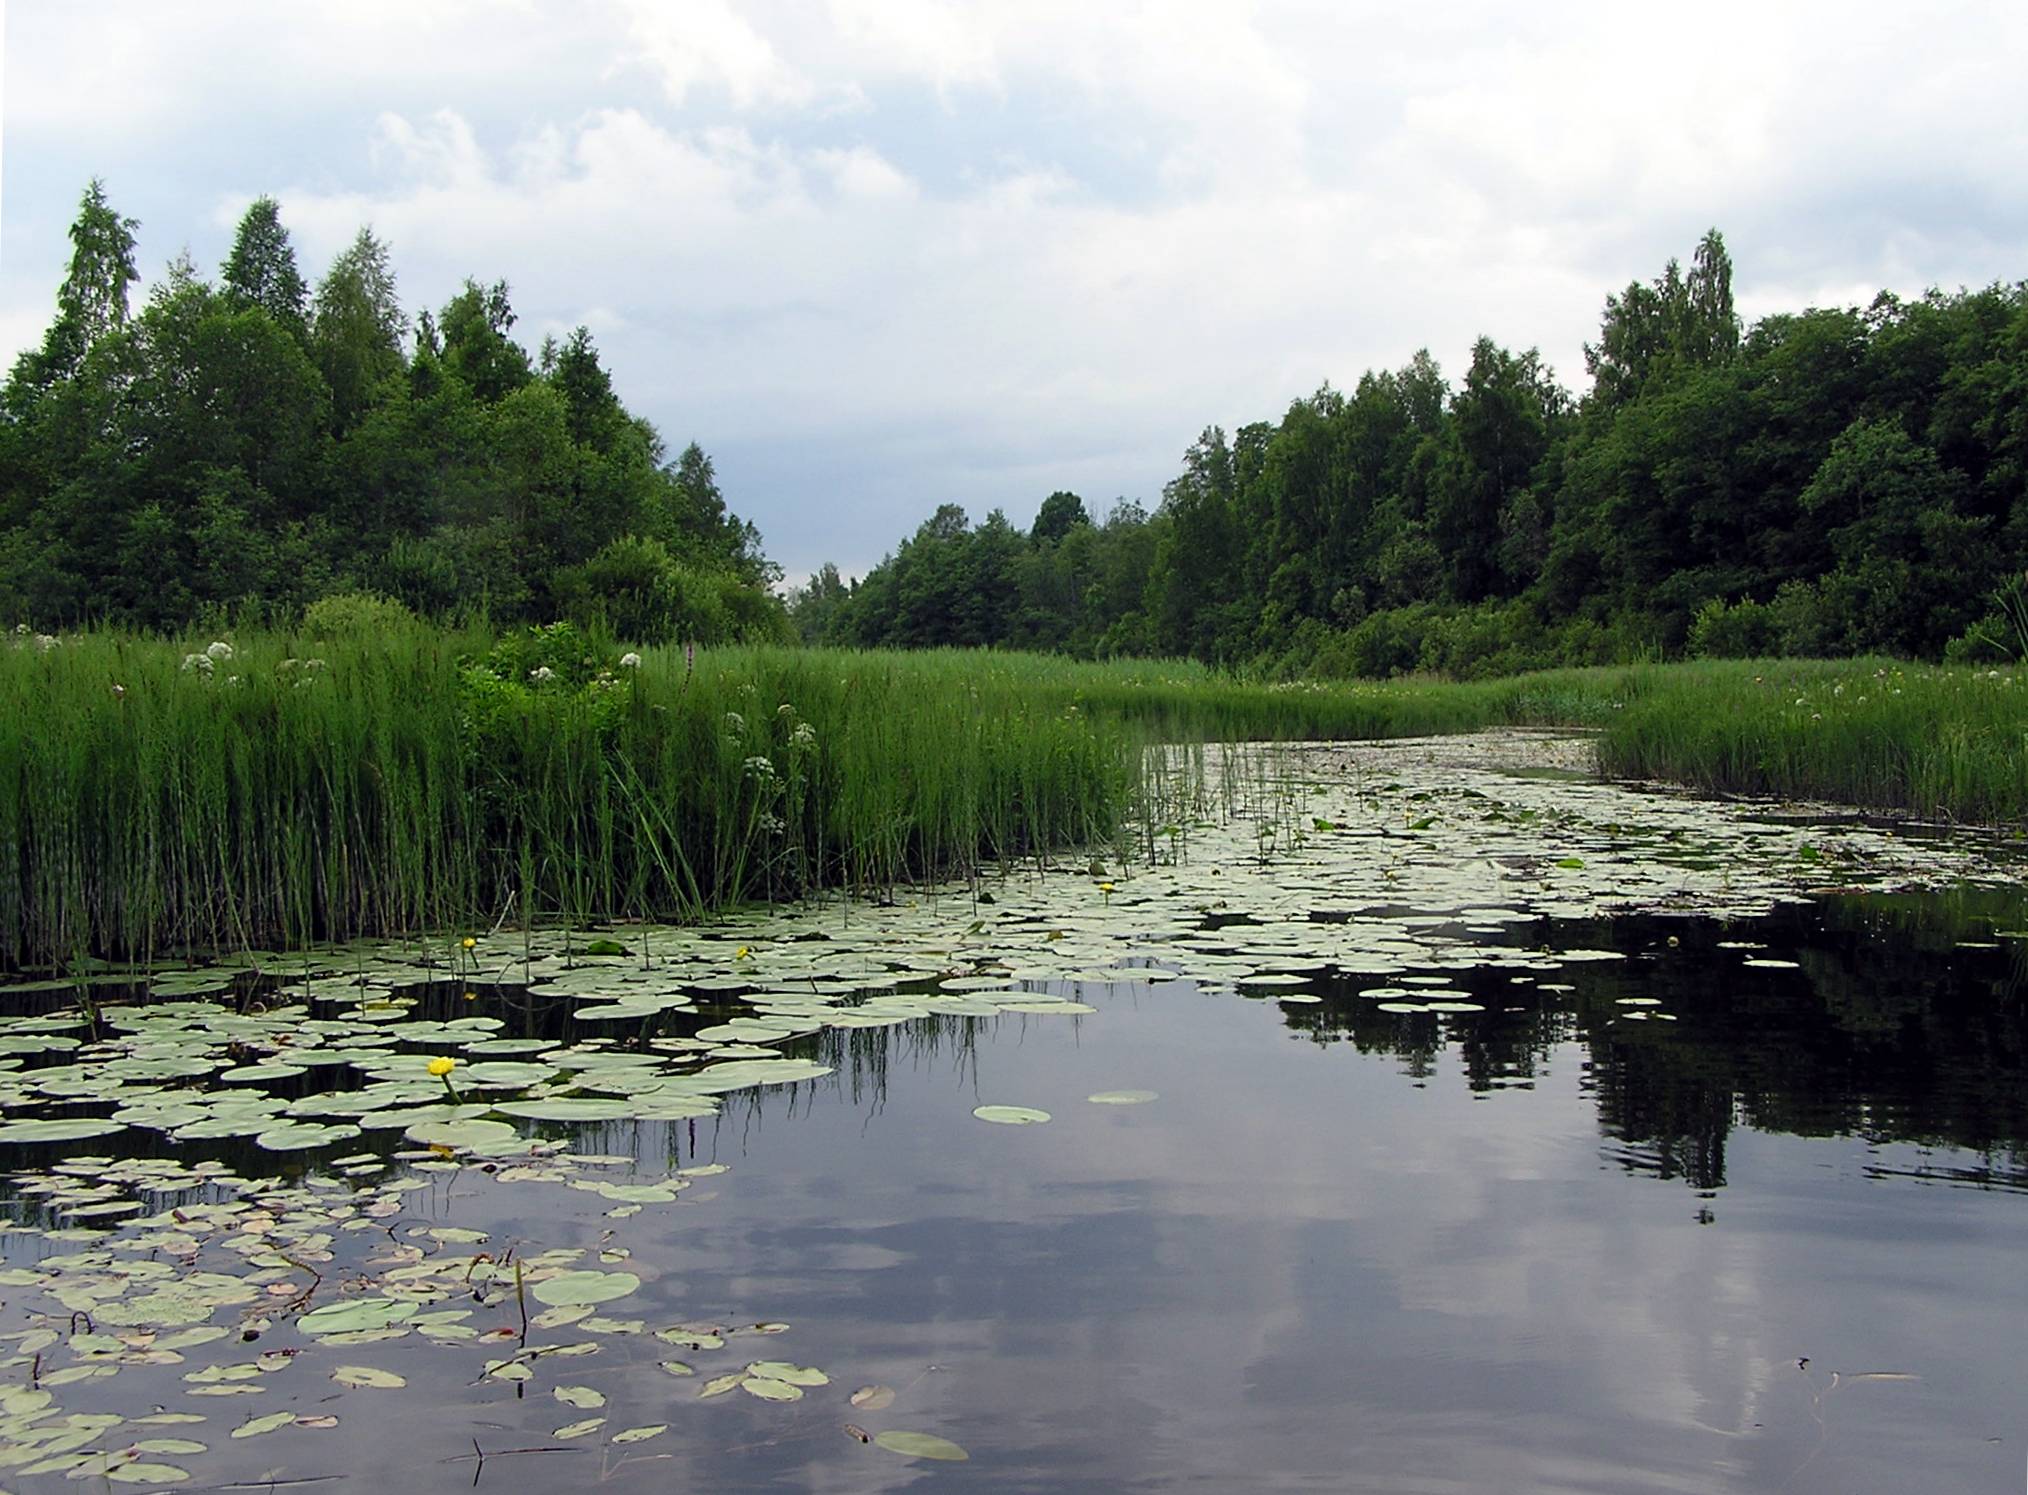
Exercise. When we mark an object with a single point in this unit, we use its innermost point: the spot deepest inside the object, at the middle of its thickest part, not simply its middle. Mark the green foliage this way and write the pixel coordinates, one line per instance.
(1830, 482)
(1741, 630)
(355, 615)
(245, 449)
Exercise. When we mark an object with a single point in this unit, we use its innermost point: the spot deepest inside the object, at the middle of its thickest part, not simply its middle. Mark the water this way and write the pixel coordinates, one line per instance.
(1511, 1253)
(1710, 1176)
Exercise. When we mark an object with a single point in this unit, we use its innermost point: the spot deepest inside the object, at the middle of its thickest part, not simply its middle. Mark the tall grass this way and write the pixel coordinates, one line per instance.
(414, 783)
(149, 810)
(1936, 742)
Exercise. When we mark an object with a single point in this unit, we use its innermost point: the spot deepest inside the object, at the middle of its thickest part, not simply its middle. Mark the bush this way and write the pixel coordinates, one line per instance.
(355, 615)
(1741, 630)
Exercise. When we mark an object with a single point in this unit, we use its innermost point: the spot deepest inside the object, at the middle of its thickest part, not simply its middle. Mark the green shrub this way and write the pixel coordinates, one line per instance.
(1741, 630)
(355, 615)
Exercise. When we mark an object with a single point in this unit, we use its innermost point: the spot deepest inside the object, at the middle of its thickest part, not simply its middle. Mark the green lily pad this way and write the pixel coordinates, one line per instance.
(60, 1129)
(267, 1422)
(569, 1289)
(365, 1376)
(1010, 1115)
(362, 1313)
(568, 1108)
(1121, 1097)
(920, 1445)
(470, 1136)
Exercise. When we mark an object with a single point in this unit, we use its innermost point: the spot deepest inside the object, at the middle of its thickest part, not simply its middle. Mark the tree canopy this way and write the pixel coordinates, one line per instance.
(1825, 481)
(256, 445)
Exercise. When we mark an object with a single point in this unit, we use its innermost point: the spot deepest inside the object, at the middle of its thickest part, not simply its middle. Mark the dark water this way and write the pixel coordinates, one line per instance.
(1780, 1243)
(1542, 1249)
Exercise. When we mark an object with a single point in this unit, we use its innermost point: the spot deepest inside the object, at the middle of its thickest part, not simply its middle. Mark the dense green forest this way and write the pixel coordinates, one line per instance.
(1828, 482)
(245, 448)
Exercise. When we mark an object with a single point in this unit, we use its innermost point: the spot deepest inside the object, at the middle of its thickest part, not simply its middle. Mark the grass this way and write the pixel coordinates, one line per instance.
(420, 781)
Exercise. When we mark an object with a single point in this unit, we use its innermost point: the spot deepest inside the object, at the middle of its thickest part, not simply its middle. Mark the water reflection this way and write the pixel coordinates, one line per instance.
(1346, 1249)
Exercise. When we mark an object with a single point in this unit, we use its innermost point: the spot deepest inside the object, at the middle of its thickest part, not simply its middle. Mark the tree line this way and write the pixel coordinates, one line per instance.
(1826, 482)
(249, 446)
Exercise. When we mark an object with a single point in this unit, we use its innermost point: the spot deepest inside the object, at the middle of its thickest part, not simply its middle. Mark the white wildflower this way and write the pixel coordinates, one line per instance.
(805, 735)
(759, 768)
(201, 663)
(218, 649)
(541, 673)
(630, 660)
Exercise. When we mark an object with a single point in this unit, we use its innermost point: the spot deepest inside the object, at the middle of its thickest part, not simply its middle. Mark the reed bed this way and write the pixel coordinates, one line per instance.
(418, 780)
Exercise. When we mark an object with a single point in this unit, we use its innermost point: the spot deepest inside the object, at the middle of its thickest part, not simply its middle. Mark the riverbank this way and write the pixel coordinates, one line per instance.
(167, 797)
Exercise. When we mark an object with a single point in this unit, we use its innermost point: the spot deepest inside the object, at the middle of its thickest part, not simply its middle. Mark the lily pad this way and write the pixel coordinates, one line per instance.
(362, 1313)
(920, 1445)
(571, 1289)
(364, 1376)
(473, 1136)
(1010, 1115)
(60, 1129)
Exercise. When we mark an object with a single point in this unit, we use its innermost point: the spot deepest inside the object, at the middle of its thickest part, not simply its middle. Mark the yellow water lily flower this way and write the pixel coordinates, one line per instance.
(441, 1067)
(469, 943)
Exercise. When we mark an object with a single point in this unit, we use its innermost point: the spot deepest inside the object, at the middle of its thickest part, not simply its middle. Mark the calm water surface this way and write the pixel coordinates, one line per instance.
(1535, 1249)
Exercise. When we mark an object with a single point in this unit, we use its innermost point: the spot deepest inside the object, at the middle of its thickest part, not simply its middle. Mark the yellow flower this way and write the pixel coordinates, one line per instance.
(468, 942)
(442, 1067)
(1105, 887)
(742, 952)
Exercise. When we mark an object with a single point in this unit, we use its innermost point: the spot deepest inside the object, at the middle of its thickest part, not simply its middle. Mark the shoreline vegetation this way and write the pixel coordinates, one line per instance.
(165, 800)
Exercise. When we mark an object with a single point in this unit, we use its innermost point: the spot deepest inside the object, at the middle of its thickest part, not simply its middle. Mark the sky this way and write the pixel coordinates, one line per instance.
(879, 255)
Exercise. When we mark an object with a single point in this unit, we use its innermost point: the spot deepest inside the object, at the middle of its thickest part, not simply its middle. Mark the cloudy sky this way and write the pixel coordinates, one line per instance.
(876, 255)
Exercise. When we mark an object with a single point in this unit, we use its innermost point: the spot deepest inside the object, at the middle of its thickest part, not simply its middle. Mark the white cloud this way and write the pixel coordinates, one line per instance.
(960, 246)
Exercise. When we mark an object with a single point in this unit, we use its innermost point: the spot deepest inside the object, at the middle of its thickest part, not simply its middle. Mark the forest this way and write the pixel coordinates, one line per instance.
(239, 450)
(1825, 483)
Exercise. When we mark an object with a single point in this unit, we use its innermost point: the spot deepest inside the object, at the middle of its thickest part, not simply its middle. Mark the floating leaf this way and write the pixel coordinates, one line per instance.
(364, 1376)
(873, 1398)
(920, 1445)
(568, 1108)
(472, 1136)
(1122, 1097)
(769, 1390)
(782, 1370)
(362, 1313)
(571, 1289)
(1010, 1115)
(641, 1434)
(267, 1422)
(579, 1429)
(719, 1385)
(60, 1129)
(579, 1396)
(143, 1473)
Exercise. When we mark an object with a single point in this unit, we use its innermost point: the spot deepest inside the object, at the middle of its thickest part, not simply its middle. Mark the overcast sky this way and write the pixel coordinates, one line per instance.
(876, 255)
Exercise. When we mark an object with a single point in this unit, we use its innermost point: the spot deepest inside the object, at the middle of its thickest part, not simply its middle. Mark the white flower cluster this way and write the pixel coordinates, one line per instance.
(630, 660)
(541, 674)
(759, 768)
